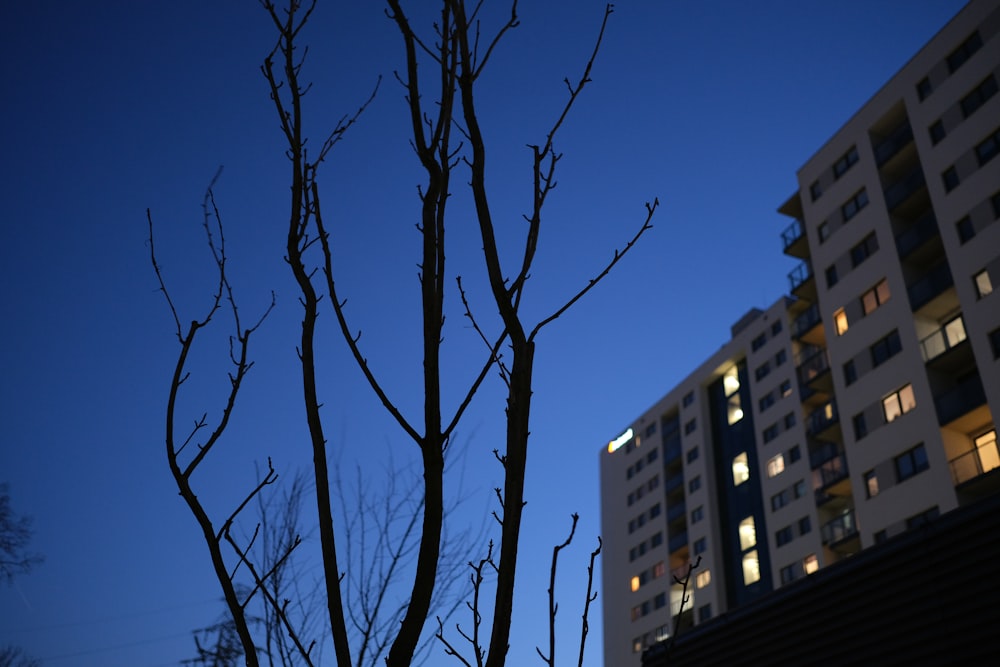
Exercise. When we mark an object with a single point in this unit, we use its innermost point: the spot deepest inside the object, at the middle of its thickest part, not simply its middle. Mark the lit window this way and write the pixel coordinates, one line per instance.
(875, 297)
(741, 469)
(984, 285)
(751, 568)
(840, 320)
(776, 465)
(637, 642)
(786, 388)
(954, 331)
(731, 381)
(635, 584)
(871, 483)
(659, 570)
(748, 533)
(898, 403)
(703, 579)
(735, 409)
(986, 448)
(810, 563)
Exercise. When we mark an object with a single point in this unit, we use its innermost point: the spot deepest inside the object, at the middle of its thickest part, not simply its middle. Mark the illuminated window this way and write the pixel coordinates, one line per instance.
(954, 331)
(875, 297)
(776, 465)
(840, 321)
(741, 469)
(898, 403)
(751, 568)
(786, 388)
(659, 570)
(731, 381)
(984, 285)
(871, 484)
(635, 584)
(703, 579)
(748, 534)
(986, 447)
(810, 563)
(637, 642)
(735, 409)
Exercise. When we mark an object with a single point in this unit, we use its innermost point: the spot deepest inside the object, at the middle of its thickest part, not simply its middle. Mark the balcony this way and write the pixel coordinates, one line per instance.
(975, 463)
(827, 479)
(805, 323)
(922, 231)
(894, 143)
(840, 529)
(812, 364)
(677, 542)
(931, 285)
(793, 240)
(965, 397)
(822, 419)
(673, 482)
(800, 280)
(675, 511)
(672, 450)
(944, 339)
(903, 189)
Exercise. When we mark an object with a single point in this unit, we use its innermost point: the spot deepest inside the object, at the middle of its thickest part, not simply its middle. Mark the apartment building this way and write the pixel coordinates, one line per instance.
(858, 407)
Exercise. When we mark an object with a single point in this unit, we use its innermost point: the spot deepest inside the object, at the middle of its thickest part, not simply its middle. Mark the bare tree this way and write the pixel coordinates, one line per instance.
(13, 656)
(445, 135)
(15, 534)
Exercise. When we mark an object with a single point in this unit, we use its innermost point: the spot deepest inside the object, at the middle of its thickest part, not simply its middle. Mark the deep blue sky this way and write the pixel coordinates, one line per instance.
(113, 107)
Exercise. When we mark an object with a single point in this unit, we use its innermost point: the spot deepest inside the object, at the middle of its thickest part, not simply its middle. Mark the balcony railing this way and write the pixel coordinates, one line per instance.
(968, 395)
(975, 463)
(800, 274)
(930, 285)
(916, 235)
(672, 483)
(820, 455)
(944, 339)
(901, 190)
(806, 321)
(791, 234)
(892, 144)
(841, 528)
(676, 511)
(812, 365)
(822, 418)
(829, 472)
(672, 450)
(677, 541)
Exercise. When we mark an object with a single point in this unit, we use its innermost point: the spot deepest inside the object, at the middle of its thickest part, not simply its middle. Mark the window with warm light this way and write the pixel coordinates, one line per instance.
(735, 409)
(635, 584)
(871, 484)
(898, 403)
(776, 465)
(748, 533)
(875, 297)
(986, 447)
(741, 469)
(703, 579)
(840, 321)
(954, 331)
(810, 563)
(751, 568)
(731, 381)
(984, 285)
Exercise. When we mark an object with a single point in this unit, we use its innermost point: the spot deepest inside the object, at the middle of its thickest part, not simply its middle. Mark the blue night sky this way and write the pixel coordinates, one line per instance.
(112, 107)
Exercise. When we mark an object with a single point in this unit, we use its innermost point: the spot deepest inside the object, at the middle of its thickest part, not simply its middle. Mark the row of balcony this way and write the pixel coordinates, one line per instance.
(840, 528)
(916, 235)
(934, 282)
(972, 464)
(894, 143)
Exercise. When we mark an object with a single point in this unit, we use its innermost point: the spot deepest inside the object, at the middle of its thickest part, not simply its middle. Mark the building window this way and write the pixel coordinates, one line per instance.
(766, 402)
(758, 342)
(840, 321)
(984, 285)
(950, 178)
(785, 388)
(860, 426)
(659, 570)
(770, 433)
(783, 536)
(653, 453)
(788, 574)
(694, 484)
(965, 229)
(988, 148)
(845, 162)
(864, 250)
(898, 403)
(751, 568)
(923, 89)
(810, 563)
(704, 613)
(911, 462)
(880, 537)
(923, 518)
(850, 373)
(800, 488)
(781, 357)
(995, 342)
(871, 484)
(815, 190)
(654, 511)
(651, 429)
(886, 348)
(978, 97)
(776, 465)
(852, 206)
(741, 469)
(688, 399)
(762, 371)
(634, 584)
(776, 328)
(789, 420)
(697, 514)
(656, 540)
(748, 533)
(703, 579)
(875, 297)
(637, 642)
(794, 454)
(660, 601)
(965, 51)
(699, 546)
(692, 454)
(937, 132)
(690, 427)
(824, 231)
(781, 499)
(805, 525)
(831, 276)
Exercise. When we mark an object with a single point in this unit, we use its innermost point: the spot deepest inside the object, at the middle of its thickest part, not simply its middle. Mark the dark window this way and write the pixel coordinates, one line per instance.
(779, 500)
(788, 574)
(995, 201)
(656, 540)
(860, 427)
(690, 427)
(762, 371)
(886, 348)
(704, 613)
(854, 204)
(805, 525)
(831, 276)
(911, 462)
(660, 601)
(824, 231)
(958, 57)
(794, 454)
(784, 536)
(654, 511)
(937, 132)
(800, 488)
(950, 178)
(789, 420)
(694, 484)
(758, 342)
(995, 343)
(776, 328)
(988, 149)
(688, 399)
(965, 229)
(699, 546)
(781, 357)
(651, 429)
(692, 454)
(923, 89)
(633, 553)
(766, 402)
(923, 518)
(864, 250)
(653, 453)
(979, 96)
(629, 472)
(841, 166)
(770, 433)
(815, 190)
(785, 388)
(850, 373)
(880, 537)
(697, 514)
